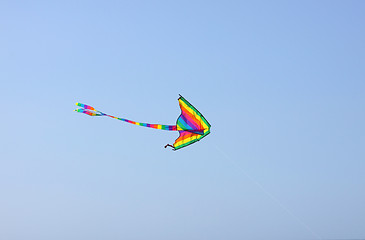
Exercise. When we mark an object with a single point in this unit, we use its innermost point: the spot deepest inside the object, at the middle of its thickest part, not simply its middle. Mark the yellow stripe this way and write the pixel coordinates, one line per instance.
(193, 113)
(182, 143)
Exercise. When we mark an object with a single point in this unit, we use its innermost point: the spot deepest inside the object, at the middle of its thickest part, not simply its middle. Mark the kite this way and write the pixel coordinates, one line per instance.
(191, 124)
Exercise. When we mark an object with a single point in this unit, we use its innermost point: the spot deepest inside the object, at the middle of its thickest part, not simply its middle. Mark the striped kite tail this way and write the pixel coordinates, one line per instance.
(86, 109)
(155, 126)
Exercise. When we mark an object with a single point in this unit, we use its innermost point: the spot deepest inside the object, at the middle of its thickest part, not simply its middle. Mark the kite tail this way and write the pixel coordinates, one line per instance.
(86, 109)
(155, 126)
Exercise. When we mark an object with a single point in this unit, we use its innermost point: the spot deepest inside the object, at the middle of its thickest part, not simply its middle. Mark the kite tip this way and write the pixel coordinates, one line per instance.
(168, 145)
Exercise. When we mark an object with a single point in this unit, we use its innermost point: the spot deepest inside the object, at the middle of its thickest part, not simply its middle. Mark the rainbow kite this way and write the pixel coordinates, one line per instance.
(191, 124)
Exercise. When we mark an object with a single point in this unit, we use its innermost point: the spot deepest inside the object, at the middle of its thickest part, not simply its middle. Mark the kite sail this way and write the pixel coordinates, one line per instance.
(191, 124)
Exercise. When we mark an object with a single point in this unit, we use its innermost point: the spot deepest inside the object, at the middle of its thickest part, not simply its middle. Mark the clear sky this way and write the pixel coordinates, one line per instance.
(281, 82)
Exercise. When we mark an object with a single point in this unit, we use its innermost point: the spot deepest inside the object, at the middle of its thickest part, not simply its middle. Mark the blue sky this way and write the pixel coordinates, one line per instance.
(282, 84)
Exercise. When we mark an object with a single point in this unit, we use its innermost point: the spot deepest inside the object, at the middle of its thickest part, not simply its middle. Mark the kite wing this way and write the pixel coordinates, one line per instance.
(191, 125)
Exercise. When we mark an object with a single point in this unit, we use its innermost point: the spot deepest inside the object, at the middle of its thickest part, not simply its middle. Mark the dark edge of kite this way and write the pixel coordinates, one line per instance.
(200, 114)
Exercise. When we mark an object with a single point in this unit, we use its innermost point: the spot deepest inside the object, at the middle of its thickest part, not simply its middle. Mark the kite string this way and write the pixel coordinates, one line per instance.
(270, 195)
